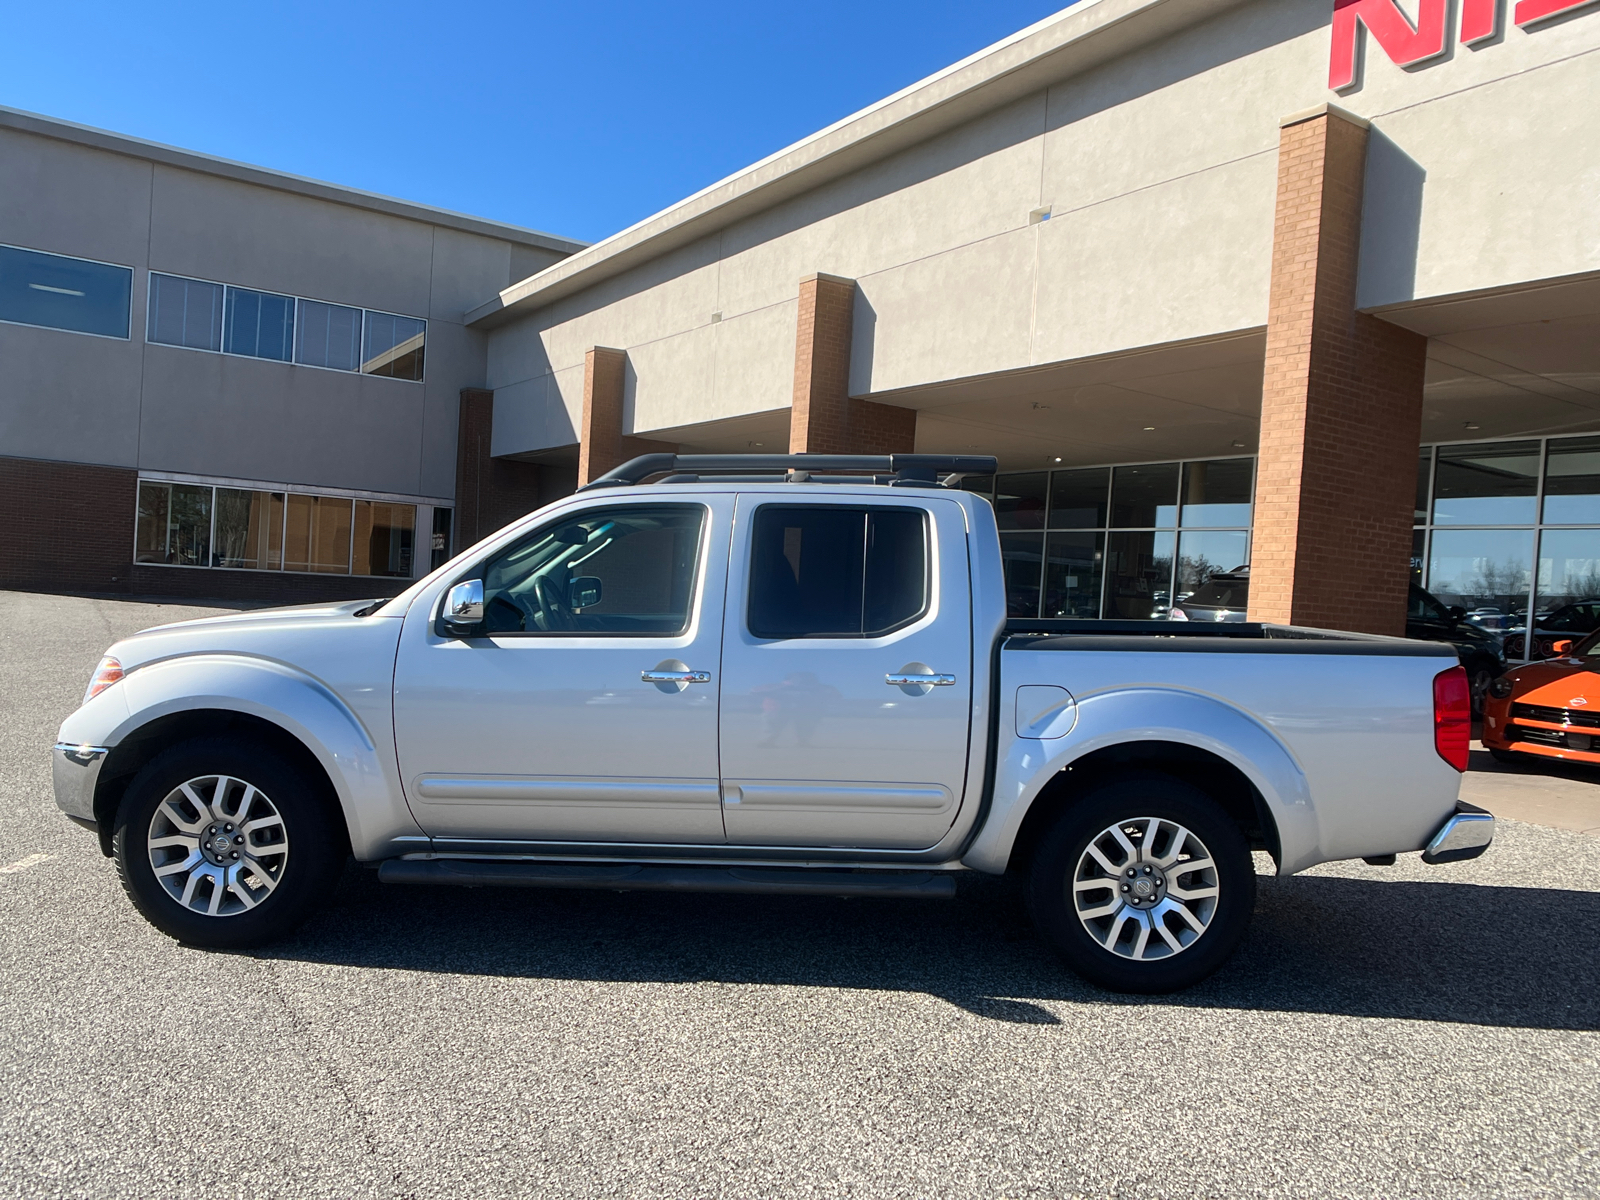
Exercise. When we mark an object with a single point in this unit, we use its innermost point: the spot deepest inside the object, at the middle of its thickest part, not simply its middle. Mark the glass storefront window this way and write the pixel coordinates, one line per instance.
(1487, 483)
(1572, 482)
(1569, 567)
(1217, 493)
(1078, 498)
(1145, 495)
(1072, 573)
(173, 524)
(1203, 553)
(1139, 574)
(1019, 501)
(249, 530)
(1424, 486)
(384, 538)
(1023, 556)
(317, 535)
(1481, 568)
(439, 553)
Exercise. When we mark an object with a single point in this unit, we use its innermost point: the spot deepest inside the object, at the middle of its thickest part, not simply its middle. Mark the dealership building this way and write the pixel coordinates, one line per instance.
(1312, 285)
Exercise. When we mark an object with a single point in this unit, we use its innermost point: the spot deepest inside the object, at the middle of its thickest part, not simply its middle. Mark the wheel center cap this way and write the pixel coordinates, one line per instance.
(1144, 885)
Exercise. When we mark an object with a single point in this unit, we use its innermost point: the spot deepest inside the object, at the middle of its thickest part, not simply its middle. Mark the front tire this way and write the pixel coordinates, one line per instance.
(1143, 886)
(222, 843)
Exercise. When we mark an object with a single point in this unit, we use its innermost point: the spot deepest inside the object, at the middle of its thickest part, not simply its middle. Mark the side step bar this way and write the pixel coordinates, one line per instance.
(787, 881)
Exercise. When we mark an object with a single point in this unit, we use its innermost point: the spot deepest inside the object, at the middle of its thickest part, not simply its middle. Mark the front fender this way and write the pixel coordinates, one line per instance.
(360, 765)
(1114, 718)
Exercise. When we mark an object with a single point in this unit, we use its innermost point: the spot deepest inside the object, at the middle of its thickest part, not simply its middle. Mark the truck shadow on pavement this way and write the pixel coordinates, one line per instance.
(1510, 957)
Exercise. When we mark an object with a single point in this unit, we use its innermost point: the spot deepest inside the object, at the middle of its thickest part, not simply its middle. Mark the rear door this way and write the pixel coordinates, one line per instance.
(847, 671)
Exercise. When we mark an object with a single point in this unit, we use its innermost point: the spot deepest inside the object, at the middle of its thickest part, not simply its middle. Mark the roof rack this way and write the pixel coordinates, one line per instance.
(893, 470)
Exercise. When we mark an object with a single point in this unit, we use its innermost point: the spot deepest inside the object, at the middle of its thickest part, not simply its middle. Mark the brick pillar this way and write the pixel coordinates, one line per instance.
(600, 449)
(1341, 405)
(490, 492)
(824, 418)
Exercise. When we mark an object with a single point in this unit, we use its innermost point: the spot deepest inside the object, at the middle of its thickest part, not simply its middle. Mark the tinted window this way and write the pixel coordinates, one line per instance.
(1217, 493)
(330, 336)
(1488, 483)
(611, 572)
(819, 571)
(1572, 482)
(1078, 498)
(64, 293)
(174, 524)
(393, 346)
(1019, 501)
(184, 312)
(259, 325)
(1145, 495)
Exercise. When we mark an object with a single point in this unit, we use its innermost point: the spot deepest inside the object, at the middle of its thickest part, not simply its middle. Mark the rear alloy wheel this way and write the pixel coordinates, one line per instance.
(1479, 680)
(222, 843)
(1144, 885)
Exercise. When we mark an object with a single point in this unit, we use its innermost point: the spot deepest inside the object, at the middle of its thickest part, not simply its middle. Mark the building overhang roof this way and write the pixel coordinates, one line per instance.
(189, 160)
(1072, 41)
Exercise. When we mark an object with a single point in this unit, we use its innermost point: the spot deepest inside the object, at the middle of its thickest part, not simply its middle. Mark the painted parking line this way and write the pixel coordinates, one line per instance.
(22, 864)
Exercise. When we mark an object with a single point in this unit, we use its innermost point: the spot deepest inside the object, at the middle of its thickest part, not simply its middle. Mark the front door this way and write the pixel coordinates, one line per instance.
(830, 603)
(587, 711)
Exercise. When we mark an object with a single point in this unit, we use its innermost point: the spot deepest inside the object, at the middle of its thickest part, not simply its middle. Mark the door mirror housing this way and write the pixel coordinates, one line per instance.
(583, 592)
(463, 608)
(1456, 612)
(1562, 648)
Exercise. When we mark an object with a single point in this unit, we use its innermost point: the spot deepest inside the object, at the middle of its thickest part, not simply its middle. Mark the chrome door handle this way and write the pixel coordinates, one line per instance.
(684, 676)
(897, 679)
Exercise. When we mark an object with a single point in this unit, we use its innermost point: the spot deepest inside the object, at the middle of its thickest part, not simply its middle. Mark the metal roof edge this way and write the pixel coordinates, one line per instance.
(190, 160)
(1069, 42)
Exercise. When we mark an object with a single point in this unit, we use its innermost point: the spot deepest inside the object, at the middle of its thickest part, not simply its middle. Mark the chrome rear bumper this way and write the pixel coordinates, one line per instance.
(1465, 835)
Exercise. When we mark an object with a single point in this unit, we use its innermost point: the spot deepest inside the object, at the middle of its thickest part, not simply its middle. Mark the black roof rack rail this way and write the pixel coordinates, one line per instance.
(900, 469)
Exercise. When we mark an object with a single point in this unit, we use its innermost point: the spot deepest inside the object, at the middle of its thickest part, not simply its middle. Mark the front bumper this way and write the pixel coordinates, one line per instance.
(75, 771)
(1465, 835)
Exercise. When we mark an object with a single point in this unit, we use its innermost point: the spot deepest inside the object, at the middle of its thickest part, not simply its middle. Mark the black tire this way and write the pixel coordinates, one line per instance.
(1478, 680)
(304, 873)
(1128, 802)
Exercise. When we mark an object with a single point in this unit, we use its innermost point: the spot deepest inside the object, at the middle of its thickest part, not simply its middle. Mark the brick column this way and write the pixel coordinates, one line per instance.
(604, 371)
(824, 418)
(1341, 404)
(490, 492)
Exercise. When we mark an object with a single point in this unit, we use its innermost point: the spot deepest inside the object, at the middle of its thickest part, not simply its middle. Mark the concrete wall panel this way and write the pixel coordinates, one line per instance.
(670, 381)
(967, 312)
(467, 270)
(255, 237)
(68, 396)
(215, 414)
(754, 362)
(70, 199)
(1187, 259)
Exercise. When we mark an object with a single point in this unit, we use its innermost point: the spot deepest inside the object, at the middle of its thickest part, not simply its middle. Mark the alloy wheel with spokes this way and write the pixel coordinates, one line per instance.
(1143, 883)
(228, 842)
(218, 845)
(1146, 888)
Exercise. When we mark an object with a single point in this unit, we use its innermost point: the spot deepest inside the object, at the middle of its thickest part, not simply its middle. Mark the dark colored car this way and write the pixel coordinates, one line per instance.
(1225, 597)
(1568, 623)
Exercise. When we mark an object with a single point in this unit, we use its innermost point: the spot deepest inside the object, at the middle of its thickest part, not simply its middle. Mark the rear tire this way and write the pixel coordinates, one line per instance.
(1134, 835)
(223, 843)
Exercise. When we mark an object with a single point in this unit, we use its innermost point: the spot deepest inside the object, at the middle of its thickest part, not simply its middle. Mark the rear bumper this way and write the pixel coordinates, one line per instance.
(75, 770)
(1465, 835)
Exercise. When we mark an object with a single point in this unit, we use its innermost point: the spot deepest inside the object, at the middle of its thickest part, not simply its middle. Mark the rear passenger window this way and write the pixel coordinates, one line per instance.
(820, 571)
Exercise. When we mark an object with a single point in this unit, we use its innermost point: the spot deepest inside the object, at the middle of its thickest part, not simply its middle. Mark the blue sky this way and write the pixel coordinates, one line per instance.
(574, 118)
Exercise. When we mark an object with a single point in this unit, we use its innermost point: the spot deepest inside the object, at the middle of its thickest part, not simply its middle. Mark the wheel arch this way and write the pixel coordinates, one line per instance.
(128, 757)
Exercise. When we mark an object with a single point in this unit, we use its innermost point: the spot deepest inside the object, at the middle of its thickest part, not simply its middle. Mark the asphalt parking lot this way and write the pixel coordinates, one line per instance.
(1396, 1032)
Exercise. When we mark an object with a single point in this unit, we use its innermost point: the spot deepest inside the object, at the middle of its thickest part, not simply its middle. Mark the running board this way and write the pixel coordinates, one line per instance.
(626, 877)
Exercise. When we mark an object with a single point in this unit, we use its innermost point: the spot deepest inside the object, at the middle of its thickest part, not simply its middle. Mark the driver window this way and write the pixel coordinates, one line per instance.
(611, 572)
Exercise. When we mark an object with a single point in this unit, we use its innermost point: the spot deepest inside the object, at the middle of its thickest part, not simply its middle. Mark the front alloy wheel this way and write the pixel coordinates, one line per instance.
(223, 842)
(217, 845)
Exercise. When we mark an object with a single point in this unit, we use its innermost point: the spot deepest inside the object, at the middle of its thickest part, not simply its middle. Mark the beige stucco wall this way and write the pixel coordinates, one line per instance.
(1160, 171)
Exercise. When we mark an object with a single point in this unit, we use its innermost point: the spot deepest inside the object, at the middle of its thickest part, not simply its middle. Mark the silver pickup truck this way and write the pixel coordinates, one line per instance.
(753, 676)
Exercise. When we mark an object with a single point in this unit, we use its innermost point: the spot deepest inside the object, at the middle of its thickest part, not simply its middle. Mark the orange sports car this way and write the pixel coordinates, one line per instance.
(1549, 708)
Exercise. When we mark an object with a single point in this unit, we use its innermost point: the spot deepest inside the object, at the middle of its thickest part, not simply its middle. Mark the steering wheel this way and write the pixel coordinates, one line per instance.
(550, 606)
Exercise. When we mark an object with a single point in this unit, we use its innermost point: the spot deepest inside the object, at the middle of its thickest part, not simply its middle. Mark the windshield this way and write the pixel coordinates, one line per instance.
(1222, 591)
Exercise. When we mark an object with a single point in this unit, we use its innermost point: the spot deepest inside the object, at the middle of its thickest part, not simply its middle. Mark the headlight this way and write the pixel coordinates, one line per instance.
(107, 673)
(1501, 688)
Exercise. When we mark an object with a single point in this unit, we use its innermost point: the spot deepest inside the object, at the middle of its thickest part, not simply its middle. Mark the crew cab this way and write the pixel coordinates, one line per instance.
(762, 674)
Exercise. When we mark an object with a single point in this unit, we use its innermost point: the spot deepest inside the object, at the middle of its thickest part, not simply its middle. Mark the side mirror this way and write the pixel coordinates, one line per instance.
(583, 592)
(1457, 613)
(463, 607)
(1562, 648)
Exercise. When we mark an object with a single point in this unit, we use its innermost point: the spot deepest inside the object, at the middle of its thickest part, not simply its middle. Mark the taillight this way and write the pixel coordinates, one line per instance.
(1452, 716)
(107, 673)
